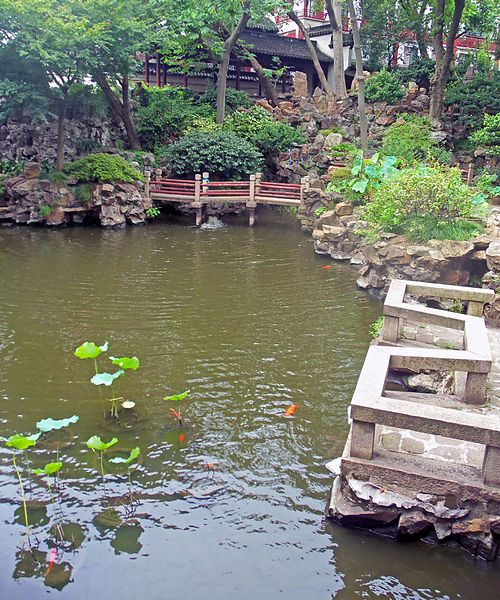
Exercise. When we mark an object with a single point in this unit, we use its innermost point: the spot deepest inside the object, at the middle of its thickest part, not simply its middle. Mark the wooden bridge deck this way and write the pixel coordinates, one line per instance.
(200, 192)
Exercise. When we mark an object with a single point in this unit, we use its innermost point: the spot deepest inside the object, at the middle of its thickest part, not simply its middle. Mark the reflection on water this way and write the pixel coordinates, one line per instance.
(233, 500)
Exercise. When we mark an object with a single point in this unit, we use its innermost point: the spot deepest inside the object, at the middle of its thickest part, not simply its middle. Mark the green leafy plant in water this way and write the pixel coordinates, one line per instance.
(152, 212)
(48, 425)
(134, 453)
(20, 442)
(108, 379)
(177, 398)
(91, 350)
(97, 445)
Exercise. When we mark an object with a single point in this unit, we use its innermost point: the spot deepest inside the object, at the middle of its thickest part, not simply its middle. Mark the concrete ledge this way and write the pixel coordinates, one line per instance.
(448, 291)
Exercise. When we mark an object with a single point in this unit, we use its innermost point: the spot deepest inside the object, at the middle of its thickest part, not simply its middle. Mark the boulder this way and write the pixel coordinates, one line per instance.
(413, 523)
(385, 121)
(453, 248)
(57, 217)
(332, 139)
(32, 170)
(332, 233)
(493, 256)
(343, 208)
(300, 84)
(328, 218)
(412, 90)
(111, 216)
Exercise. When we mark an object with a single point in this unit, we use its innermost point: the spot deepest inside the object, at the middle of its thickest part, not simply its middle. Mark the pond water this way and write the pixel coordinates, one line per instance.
(230, 505)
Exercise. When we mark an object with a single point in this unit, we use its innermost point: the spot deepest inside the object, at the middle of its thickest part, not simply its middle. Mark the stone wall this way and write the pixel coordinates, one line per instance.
(30, 200)
(22, 140)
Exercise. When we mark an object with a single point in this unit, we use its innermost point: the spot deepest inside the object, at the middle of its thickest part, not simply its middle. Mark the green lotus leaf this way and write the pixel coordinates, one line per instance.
(46, 425)
(106, 378)
(177, 397)
(126, 362)
(49, 468)
(90, 350)
(134, 453)
(96, 443)
(21, 442)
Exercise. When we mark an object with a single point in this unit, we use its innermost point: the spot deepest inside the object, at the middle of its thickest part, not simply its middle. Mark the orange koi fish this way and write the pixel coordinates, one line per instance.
(181, 438)
(291, 410)
(327, 267)
(51, 561)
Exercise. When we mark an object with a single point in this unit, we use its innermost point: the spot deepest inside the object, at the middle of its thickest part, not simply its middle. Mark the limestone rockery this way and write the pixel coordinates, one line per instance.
(29, 200)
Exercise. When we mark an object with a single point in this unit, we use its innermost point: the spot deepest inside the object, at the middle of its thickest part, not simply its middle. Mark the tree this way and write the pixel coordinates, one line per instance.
(334, 10)
(360, 74)
(443, 56)
(312, 51)
(126, 28)
(48, 33)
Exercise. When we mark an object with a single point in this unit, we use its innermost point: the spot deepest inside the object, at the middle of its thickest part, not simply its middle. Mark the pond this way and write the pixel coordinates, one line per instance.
(230, 504)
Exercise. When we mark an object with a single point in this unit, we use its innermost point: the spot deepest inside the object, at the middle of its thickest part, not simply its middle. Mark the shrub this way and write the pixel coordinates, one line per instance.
(384, 87)
(246, 123)
(83, 193)
(489, 134)
(424, 202)
(342, 151)
(234, 99)
(58, 178)
(419, 71)
(410, 140)
(222, 154)
(164, 112)
(277, 136)
(86, 100)
(203, 124)
(11, 167)
(103, 168)
(475, 98)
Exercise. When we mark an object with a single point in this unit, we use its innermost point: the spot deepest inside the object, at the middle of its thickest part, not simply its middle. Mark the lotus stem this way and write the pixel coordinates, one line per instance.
(22, 493)
(102, 467)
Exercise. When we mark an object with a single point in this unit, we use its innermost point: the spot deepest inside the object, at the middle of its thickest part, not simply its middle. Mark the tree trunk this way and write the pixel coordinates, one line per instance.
(61, 119)
(440, 77)
(334, 13)
(227, 48)
(265, 82)
(361, 78)
(312, 50)
(122, 109)
(128, 120)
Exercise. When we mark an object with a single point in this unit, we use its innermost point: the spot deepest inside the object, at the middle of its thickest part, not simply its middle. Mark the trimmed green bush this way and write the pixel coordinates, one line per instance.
(420, 71)
(489, 134)
(384, 87)
(222, 154)
(277, 136)
(424, 202)
(103, 168)
(247, 123)
(475, 98)
(234, 99)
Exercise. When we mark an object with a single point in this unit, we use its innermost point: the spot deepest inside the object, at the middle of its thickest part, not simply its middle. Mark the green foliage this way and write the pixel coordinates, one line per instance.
(336, 129)
(177, 397)
(277, 136)
(45, 210)
(103, 168)
(342, 151)
(368, 174)
(375, 327)
(440, 155)
(489, 134)
(319, 211)
(234, 99)
(21, 442)
(152, 212)
(125, 362)
(90, 350)
(475, 98)
(85, 100)
(424, 202)
(384, 87)
(247, 123)
(58, 178)
(134, 453)
(83, 193)
(11, 167)
(49, 468)
(222, 154)
(488, 184)
(163, 113)
(95, 443)
(49, 424)
(409, 140)
(106, 379)
(203, 124)
(420, 71)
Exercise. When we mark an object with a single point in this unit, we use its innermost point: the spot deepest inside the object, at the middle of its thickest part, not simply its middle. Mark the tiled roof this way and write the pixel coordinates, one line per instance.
(278, 45)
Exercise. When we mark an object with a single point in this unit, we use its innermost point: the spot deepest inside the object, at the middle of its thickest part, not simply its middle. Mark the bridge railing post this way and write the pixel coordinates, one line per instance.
(147, 175)
(158, 173)
(251, 203)
(196, 204)
(258, 181)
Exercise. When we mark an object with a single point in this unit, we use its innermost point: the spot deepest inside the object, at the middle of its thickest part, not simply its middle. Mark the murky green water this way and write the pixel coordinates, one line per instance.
(229, 506)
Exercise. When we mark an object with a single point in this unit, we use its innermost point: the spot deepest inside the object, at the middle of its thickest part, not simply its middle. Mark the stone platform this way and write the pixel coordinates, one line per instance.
(420, 463)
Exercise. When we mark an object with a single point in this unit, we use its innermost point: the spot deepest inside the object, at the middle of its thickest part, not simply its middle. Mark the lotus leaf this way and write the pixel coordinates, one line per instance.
(21, 442)
(90, 350)
(49, 468)
(46, 425)
(134, 453)
(106, 378)
(126, 362)
(177, 397)
(96, 443)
